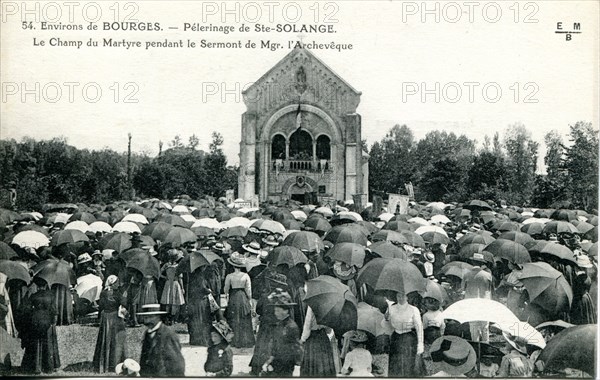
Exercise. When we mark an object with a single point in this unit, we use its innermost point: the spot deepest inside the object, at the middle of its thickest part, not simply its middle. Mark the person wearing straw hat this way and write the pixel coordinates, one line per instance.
(452, 357)
(515, 363)
(358, 361)
(172, 293)
(219, 360)
(238, 289)
(161, 351)
(128, 368)
(285, 355)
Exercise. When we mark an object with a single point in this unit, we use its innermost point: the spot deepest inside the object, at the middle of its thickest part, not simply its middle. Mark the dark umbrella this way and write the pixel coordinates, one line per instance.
(286, 255)
(456, 268)
(473, 238)
(54, 272)
(333, 303)
(388, 250)
(67, 236)
(399, 225)
(566, 215)
(157, 230)
(509, 250)
(197, 259)
(282, 214)
(391, 236)
(130, 253)
(6, 252)
(350, 253)
(433, 237)
(118, 242)
(235, 231)
(305, 241)
(546, 287)
(34, 227)
(203, 231)
(533, 228)
(468, 250)
(317, 223)
(346, 234)
(83, 216)
(584, 227)
(574, 347)
(179, 236)
(503, 225)
(391, 274)
(477, 204)
(557, 227)
(435, 291)
(367, 226)
(413, 239)
(145, 263)
(174, 220)
(15, 271)
(291, 224)
(517, 237)
(559, 251)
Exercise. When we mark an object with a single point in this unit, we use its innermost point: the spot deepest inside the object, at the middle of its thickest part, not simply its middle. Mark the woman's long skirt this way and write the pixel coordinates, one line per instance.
(262, 348)
(64, 305)
(239, 317)
(148, 296)
(318, 360)
(111, 343)
(41, 354)
(403, 354)
(199, 322)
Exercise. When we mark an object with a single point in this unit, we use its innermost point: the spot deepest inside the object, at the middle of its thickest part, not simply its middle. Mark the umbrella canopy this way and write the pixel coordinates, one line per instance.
(435, 291)
(558, 251)
(197, 259)
(179, 236)
(237, 221)
(388, 250)
(237, 231)
(346, 234)
(333, 303)
(68, 236)
(299, 215)
(394, 237)
(473, 238)
(386, 216)
(546, 286)
(557, 227)
(435, 238)
(398, 225)
(325, 211)
(54, 272)
(32, 239)
(369, 319)
(137, 218)
(369, 227)
(269, 226)
(480, 309)
(208, 222)
(144, 262)
(477, 204)
(509, 250)
(350, 253)
(77, 225)
(565, 215)
(174, 220)
(439, 219)
(305, 241)
(118, 242)
(317, 223)
(517, 236)
(157, 230)
(533, 228)
(99, 226)
(6, 251)
(128, 227)
(286, 255)
(89, 287)
(413, 239)
(15, 271)
(574, 347)
(180, 209)
(503, 226)
(391, 274)
(203, 231)
(456, 268)
(424, 229)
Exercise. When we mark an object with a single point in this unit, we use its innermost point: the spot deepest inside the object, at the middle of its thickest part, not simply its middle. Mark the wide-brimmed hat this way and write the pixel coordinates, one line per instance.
(253, 248)
(280, 298)
(516, 342)
(358, 336)
(129, 367)
(151, 309)
(97, 253)
(84, 258)
(344, 271)
(583, 261)
(237, 260)
(150, 249)
(223, 329)
(452, 355)
(277, 278)
(218, 248)
(270, 240)
(429, 256)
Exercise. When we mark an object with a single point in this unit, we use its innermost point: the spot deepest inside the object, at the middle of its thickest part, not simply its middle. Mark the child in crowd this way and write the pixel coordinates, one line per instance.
(358, 362)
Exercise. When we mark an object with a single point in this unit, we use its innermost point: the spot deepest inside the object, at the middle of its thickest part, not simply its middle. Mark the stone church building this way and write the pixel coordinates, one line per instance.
(301, 135)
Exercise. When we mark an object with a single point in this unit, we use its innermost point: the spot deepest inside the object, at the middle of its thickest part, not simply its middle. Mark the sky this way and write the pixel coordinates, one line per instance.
(399, 52)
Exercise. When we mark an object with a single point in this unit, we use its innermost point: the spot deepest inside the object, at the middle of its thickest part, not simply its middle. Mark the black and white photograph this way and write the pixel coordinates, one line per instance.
(309, 188)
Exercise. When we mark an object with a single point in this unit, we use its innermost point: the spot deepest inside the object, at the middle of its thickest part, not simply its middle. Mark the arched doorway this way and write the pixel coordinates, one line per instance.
(301, 146)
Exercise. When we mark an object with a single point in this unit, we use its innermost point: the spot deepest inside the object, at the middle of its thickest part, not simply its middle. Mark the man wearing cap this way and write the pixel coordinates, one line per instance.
(161, 351)
(286, 351)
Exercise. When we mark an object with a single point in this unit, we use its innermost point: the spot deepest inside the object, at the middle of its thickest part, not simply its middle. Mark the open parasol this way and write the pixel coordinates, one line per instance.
(391, 274)
(333, 303)
(54, 272)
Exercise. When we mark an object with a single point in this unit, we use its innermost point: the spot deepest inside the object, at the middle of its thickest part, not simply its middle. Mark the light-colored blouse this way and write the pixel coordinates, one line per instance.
(360, 360)
(310, 324)
(238, 280)
(405, 318)
(434, 319)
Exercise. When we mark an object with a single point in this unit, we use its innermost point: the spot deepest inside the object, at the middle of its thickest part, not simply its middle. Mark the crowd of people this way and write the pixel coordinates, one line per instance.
(260, 278)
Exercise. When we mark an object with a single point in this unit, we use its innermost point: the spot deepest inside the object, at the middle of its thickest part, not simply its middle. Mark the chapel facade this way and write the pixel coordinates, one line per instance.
(301, 135)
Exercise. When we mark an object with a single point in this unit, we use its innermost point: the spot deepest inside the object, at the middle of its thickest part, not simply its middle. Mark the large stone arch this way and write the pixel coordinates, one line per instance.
(266, 131)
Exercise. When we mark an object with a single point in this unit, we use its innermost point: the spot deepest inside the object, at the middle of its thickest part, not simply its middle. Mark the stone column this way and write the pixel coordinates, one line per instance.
(246, 180)
(353, 156)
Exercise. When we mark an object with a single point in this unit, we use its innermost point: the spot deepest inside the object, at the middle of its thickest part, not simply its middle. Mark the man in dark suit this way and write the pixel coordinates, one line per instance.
(161, 350)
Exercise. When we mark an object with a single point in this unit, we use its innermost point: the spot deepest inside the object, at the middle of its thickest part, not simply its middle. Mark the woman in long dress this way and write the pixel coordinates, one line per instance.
(238, 289)
(318, 359)
(111, 343)
(172, 293)
(38, 335)
(199, 313)
(406, 343)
